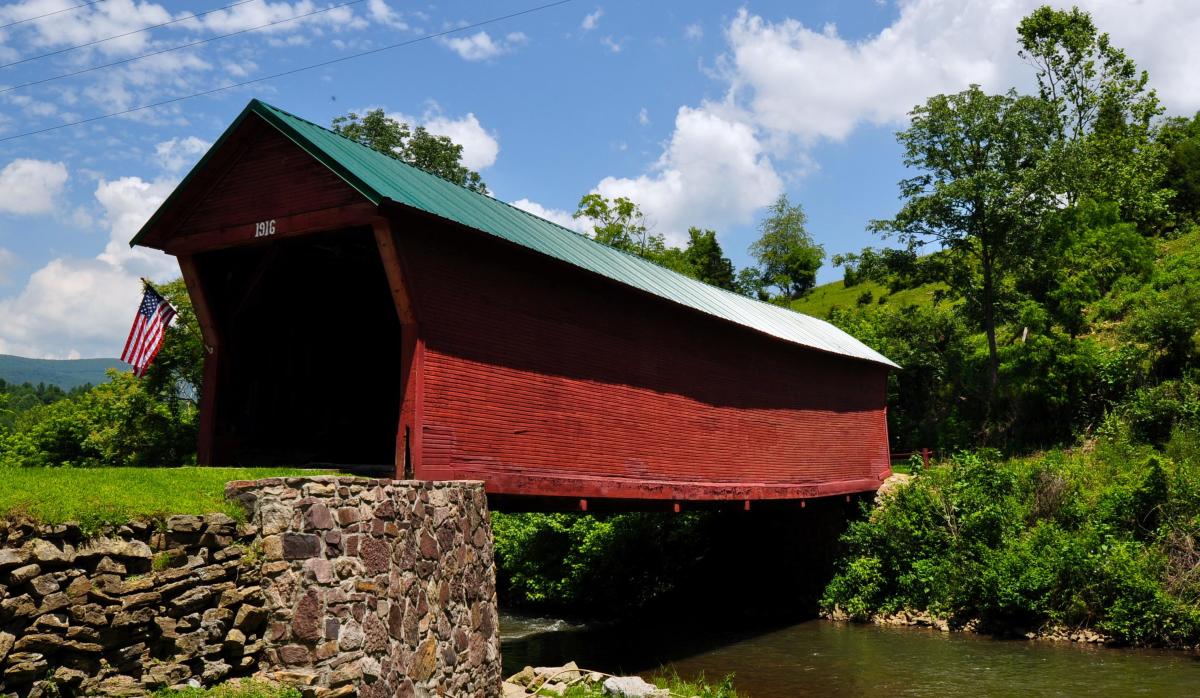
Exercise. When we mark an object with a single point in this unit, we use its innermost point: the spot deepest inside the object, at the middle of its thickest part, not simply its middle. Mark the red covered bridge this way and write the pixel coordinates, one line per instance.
(357, 310)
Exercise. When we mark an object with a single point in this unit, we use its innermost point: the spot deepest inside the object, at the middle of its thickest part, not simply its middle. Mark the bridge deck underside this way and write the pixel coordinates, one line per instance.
(522, 491)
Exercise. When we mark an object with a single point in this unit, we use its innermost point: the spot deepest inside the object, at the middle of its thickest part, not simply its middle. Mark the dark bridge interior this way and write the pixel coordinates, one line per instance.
(310, 355)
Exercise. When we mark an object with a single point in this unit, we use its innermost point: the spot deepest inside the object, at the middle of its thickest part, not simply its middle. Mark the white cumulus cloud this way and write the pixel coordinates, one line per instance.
(592, 20)
(554, 215)
(261, 12)
(93, 23)
(30, 186)
(69, 308)
(381, 12)
(813, 83)
(481, 46)
(714, 173)
(480, 147)
(176, 153)
(128, 203)
(75, 307)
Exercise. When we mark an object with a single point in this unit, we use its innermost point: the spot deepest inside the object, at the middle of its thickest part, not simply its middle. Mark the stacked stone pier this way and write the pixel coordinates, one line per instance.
(338, 586)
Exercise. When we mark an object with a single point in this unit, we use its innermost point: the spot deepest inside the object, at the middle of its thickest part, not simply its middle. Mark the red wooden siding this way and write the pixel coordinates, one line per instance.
(271, 177)
(536, 376)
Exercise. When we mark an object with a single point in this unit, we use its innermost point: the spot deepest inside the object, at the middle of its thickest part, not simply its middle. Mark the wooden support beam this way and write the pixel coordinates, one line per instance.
(206, 438)
(259, 232)
(394, 268)
(408, 430)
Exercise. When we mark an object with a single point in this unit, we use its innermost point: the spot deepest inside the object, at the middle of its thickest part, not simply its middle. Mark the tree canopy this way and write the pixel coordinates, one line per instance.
(1104, 109)
(416, 146)
(705, 260)
(980, 193)
(620, 223)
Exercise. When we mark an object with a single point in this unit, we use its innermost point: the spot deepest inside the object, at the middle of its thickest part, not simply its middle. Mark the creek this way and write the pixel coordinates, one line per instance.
(821, 658)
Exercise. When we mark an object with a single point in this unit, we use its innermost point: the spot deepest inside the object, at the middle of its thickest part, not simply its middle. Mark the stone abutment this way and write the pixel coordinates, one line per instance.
(339, 586)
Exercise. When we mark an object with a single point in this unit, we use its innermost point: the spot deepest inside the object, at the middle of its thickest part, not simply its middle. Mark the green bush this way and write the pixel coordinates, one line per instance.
(593, 563)
(118, 423)
(1103, 538)
(1155, 411)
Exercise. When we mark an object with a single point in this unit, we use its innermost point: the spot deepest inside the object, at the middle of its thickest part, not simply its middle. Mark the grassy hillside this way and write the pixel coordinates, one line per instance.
(65, 373)
(836, 295)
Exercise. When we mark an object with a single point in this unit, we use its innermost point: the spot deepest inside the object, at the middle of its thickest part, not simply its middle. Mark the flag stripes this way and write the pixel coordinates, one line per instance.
(146, 335)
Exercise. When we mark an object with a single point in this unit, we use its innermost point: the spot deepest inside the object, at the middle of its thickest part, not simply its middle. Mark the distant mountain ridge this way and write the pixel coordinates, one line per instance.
(65, 373)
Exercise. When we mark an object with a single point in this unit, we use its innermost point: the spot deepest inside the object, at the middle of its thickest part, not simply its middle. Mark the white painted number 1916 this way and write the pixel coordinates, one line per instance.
(265, 228)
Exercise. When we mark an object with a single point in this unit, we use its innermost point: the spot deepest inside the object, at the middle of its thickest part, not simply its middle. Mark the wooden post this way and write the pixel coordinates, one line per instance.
(206, 438)
(408, 431)
(925, 459)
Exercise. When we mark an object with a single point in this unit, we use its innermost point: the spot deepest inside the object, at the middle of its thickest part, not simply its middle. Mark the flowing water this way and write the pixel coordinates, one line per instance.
(818, 658)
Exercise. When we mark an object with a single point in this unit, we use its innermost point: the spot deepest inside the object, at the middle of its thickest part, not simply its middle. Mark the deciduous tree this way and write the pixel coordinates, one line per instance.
(620, 223)
(707, 261)
(436, 154)
(981, 192)
(788, 258)
(1104, 113)
(1180, 137)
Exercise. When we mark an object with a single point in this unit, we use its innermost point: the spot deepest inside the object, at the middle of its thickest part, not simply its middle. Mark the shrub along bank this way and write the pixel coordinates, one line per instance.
(1104, 537)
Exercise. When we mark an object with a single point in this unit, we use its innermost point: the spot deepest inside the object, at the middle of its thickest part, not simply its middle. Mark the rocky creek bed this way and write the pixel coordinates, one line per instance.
(557, 680)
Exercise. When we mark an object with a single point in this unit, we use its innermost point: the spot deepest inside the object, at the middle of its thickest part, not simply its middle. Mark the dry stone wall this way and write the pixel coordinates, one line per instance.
(378, 587)
(340, 586)
(128, 610)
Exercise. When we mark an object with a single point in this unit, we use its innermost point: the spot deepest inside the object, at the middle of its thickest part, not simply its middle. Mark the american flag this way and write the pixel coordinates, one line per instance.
(146, 335)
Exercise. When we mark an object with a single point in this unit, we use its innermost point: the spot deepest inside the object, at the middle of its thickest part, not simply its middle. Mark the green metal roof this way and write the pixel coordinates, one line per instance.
(380, 178)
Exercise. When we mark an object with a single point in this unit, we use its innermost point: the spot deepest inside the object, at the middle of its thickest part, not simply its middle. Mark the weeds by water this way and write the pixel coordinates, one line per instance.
(246, 688)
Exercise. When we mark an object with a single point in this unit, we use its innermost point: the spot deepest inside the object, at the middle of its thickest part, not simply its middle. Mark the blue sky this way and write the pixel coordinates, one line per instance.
(702, 112)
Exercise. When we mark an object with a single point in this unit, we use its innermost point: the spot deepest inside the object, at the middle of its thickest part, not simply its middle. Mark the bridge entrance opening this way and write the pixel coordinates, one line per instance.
(309, 366)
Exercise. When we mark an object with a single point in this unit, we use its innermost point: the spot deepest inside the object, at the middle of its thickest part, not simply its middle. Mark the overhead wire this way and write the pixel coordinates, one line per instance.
(122, 36)
(48, 14)
(293, 71)
(160, 52)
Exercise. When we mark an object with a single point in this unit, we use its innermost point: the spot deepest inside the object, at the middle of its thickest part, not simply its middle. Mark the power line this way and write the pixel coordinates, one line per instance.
(293, 71)
(121, 36)
(65, 9)
(198, 42)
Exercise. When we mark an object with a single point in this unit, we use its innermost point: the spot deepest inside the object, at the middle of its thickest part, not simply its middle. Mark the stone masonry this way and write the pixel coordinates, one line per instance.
(377, 587)
(339, 586)
(129, 609)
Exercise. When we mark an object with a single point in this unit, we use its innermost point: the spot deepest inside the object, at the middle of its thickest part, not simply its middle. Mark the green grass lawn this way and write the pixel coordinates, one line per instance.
(97, 496)
(828, 296)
